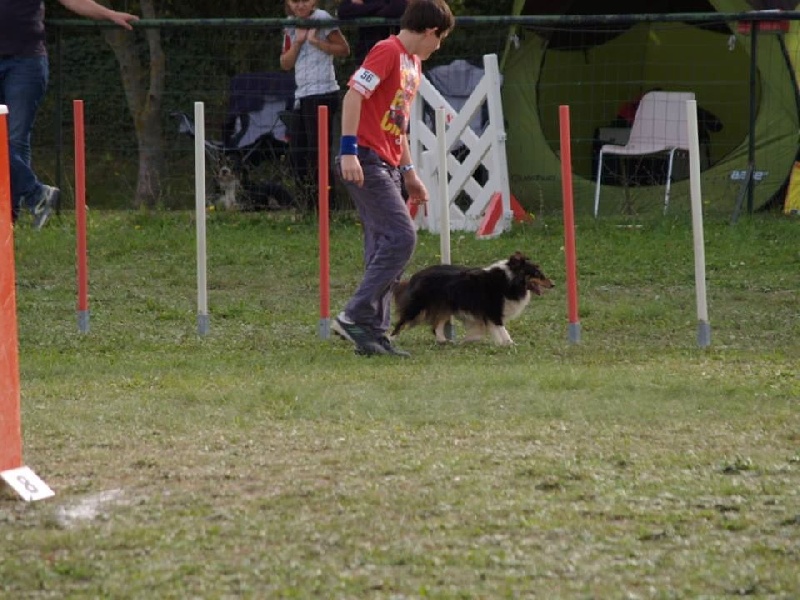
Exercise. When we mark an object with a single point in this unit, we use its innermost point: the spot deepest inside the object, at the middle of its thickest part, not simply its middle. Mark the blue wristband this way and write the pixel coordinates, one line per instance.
(349, 145)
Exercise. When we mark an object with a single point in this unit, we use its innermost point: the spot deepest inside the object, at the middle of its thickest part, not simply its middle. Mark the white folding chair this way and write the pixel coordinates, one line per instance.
(658, 127)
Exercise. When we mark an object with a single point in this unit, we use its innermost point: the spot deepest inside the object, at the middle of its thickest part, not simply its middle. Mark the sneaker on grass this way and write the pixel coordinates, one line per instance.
(388, 348)
(44, 205)
(365, 341)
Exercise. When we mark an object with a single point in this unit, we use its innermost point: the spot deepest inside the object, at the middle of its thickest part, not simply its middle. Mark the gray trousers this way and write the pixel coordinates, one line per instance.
(389, 240)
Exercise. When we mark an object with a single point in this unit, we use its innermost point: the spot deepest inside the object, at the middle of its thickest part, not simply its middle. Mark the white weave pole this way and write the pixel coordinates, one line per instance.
(703, 326)
(200, 215)
(444, 201)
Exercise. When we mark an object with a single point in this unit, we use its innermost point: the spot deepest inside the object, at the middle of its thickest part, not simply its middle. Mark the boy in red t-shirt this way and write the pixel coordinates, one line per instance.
(373, 158)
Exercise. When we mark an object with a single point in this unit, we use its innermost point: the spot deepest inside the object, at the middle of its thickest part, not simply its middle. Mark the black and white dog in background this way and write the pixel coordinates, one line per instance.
(229, 186)
(235, 191)
(482, 298)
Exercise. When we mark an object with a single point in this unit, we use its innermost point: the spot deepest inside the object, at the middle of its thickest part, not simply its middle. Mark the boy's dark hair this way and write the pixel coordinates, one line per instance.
(428, 14)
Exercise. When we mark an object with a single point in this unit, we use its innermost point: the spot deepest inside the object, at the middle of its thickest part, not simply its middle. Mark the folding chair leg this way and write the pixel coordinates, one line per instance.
(627, 206)
(669, 180)
(597, 186)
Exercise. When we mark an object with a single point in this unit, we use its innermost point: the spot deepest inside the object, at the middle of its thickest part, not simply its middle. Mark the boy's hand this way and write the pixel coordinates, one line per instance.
(351, 169)
(417, 193)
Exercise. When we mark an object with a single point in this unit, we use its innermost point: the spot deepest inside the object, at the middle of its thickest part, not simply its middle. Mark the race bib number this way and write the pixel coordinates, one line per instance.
(366, 79)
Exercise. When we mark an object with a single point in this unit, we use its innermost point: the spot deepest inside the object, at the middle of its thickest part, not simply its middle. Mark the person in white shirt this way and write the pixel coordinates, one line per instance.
(310, 52)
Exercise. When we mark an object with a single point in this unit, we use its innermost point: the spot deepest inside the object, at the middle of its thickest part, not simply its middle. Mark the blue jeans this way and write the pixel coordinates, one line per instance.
(23, 83)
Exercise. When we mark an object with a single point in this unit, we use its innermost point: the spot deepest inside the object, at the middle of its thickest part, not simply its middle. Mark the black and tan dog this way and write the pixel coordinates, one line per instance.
(482, 298)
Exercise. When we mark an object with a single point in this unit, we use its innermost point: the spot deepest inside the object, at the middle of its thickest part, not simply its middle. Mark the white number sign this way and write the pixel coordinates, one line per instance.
(27, 484)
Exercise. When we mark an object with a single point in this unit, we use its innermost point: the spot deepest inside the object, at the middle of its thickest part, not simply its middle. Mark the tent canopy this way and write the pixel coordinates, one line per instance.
(597, 69)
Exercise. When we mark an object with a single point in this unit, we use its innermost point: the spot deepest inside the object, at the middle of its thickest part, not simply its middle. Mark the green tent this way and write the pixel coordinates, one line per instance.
(597, 69)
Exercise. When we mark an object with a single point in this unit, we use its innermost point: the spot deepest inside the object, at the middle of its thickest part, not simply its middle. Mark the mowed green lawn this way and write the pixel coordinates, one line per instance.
(261, 461)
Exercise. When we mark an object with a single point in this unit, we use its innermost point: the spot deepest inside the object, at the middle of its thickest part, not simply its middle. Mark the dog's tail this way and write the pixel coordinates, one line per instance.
(401, 297)
(400, 294)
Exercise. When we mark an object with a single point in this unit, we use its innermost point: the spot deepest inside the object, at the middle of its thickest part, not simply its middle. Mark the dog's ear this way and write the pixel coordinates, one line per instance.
(520, 257)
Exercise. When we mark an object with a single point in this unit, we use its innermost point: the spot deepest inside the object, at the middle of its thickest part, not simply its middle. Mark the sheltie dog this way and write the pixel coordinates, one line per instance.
(237, 192)
(229, 187)
(482, 298)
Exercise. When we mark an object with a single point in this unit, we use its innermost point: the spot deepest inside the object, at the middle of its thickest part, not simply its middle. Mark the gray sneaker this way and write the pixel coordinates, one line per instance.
(45, 203)
(389, 348)
(365, 342)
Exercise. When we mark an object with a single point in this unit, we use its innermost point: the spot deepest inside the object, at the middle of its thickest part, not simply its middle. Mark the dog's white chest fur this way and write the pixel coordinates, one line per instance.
(513, 308)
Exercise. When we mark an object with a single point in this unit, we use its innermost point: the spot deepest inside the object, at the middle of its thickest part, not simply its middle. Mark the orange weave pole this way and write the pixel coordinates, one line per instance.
(324, 221)
(569, 224)
(10, 424)
(80, 218)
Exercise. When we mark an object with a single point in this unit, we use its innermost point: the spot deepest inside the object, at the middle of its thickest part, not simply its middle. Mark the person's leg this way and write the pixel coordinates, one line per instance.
(332, 102)
(24, 86)
(310, 109)
(389, 241)
(298, 148)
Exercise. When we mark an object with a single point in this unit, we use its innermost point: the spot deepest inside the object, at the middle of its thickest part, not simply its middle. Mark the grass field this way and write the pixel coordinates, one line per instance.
(261, 461)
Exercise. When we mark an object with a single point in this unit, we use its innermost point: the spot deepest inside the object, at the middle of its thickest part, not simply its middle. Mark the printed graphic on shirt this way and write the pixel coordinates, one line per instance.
(395, 120)
(366, 81)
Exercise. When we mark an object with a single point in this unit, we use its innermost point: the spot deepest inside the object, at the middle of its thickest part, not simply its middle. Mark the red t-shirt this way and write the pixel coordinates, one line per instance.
(388, 80)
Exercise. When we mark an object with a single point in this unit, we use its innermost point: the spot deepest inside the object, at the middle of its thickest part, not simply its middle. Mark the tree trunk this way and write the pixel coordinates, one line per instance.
(144, 90)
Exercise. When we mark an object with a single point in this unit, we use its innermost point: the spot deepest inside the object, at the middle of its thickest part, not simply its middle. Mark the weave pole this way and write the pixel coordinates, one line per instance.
(444, 202)
(703, 326)
(323, 154)
(21, 479)
(444, 192)
(10, 425)
(574, 327)
(80, 217)
(200, 215)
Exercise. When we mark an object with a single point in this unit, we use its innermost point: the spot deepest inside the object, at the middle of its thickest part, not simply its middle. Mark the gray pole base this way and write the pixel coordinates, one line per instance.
(324, 329)
(574, 333)
(202, 324)
(450, 331)
(703, 334)
(83, 321)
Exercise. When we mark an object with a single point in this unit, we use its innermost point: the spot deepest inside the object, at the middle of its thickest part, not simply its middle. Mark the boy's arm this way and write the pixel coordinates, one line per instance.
(417, 192)
(351, 117)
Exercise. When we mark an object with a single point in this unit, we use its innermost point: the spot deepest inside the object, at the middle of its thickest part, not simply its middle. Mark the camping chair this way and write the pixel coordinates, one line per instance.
(659, 127)
(253, 134)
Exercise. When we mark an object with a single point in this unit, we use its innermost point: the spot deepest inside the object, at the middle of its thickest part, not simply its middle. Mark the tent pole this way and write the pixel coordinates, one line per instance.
(751, 150)
(58, 126)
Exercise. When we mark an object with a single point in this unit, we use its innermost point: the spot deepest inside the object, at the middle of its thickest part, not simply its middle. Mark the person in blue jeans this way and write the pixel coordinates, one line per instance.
(24, 73)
